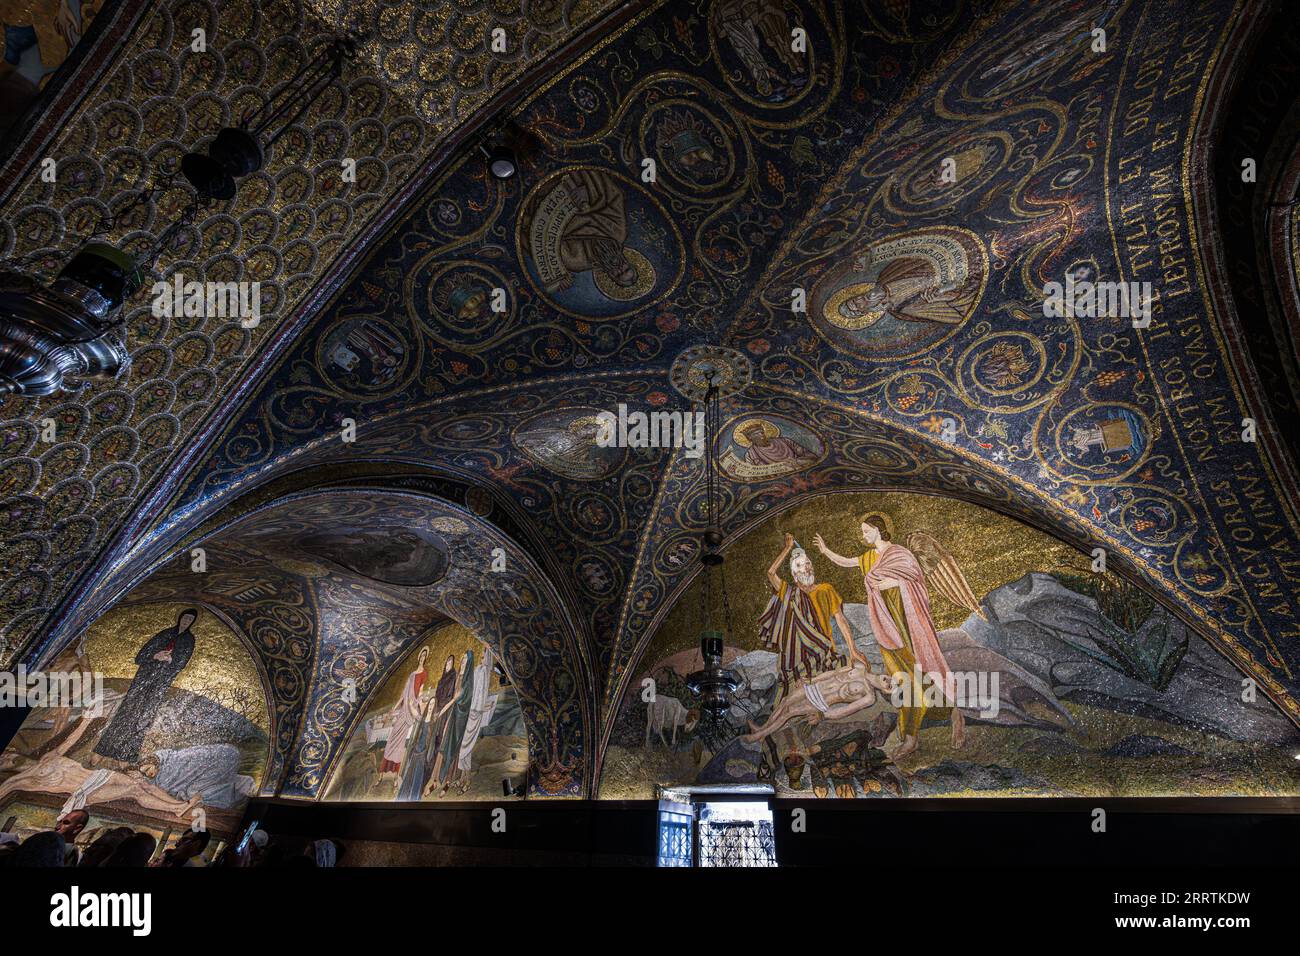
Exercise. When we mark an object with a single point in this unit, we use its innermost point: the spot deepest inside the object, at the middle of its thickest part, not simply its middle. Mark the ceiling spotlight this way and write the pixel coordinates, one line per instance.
(239, 150)
(49, 331)
(500, 161)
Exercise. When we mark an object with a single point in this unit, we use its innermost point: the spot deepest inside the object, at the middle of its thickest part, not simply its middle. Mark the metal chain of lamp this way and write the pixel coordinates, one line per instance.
(713, 684)
(68, 327)
(238, 151)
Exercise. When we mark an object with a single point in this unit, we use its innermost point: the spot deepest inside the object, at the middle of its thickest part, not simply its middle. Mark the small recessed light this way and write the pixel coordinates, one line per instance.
(500, 161)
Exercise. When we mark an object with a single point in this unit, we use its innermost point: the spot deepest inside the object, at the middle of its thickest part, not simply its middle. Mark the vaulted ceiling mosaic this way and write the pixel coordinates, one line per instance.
(787, 192)
(332, 588)
(138, 98)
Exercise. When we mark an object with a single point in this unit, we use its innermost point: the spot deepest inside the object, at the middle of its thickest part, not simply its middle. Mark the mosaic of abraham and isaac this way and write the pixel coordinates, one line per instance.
(1071, 682)
(178, 736)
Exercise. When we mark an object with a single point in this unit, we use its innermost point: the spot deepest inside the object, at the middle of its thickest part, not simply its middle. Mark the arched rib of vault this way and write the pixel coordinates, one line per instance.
(328, 633)
(866, 450)
(1249, 111)
(210, 514)
(471, 436)
(406, 130)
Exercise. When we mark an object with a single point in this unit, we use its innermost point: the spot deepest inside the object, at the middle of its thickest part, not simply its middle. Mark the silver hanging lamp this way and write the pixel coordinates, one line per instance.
(69, 327)
(63, 329)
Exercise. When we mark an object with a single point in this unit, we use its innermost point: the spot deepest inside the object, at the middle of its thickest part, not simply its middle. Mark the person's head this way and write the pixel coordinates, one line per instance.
(864, 302)
(612, 260)
(135, 850)
(756, 434)
(254, 853)
(324, 852)
(801, 567)
(191, 843)
(875, 528)
(450, 663)
(43, 849)
(104, 845)
(186, 618)
(469, 303)
(71, 824)
(149, 766)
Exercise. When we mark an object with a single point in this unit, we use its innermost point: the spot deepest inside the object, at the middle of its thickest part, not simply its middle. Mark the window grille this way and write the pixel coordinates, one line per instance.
(737, 843)
(676, 822)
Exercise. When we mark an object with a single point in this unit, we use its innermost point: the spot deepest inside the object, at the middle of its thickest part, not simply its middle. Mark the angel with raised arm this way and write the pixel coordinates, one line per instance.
(898, 606)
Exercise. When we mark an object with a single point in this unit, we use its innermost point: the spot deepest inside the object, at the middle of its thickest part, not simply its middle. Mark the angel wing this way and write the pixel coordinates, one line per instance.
(942, 572)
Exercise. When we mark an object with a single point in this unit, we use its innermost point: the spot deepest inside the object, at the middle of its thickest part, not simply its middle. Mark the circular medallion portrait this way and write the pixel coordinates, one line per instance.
(689, 145)
(760, 447)
(465, 305)
(595, 245)
(950, 171)
(564, 441)
(763, 60)
(901, 294)
(1104, 441)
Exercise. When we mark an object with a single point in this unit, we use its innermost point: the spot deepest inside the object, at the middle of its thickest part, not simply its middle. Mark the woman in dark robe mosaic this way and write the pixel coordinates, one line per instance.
(161, 659)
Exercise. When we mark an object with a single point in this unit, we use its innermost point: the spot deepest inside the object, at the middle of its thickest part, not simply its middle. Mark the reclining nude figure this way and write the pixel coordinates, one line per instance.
(56, 773)
(828, 696)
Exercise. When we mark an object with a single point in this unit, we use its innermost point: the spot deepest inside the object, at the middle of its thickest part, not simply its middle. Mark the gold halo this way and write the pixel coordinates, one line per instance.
(831, 310)
(645, 279)
(769, 429)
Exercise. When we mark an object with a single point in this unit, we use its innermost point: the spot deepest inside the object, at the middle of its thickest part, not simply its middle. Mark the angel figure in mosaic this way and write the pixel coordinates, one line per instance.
(897, 579)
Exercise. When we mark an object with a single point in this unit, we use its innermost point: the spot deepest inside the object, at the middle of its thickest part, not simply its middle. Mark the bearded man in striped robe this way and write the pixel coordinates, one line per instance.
(798, 618)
